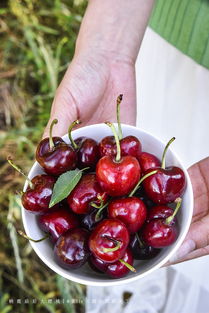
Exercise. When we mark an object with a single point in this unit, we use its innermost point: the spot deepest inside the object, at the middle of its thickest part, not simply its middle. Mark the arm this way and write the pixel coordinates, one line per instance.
(103, 65)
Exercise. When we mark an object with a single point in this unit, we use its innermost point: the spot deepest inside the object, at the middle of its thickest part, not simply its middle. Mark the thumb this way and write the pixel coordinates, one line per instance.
(64, 110)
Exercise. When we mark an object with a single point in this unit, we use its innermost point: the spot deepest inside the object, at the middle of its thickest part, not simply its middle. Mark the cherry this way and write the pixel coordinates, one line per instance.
(130, 145)
(86, 191)
(131, 211)
(71, 249)
(140, 250)
(39, 191)
(87, 152)
(109, 240)
(55, 155)
(117, 269)
(167, 184)
(117, 176)
(161, 232)
(159, 211)
(58, 222)
(148, 161)
(107, 146)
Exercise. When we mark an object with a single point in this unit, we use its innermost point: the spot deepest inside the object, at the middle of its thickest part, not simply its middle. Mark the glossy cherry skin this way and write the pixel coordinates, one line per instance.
(58, 222)
(71, 249)
(158, 234)
(140, 250)
(107, 146)
(166, 185)
(114, 270)
(148, 161)
(104, 235)
(86, 191)
(130, 145)
(159, 211)
(88, 152)
(131, 211)
(37, 200)
(60, 159)
(118, 178)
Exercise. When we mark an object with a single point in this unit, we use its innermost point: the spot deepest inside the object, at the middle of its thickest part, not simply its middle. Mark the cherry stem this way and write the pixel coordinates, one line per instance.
(165, 150)
(169, 219)
(140, 181)
(51, 142)
(129, 266)
(116, 242)
(9, 159)
(77, 122)
(21, 233)
(141, 245)
(119, 99)
(97, 216)
(118, 155)
(98, 206)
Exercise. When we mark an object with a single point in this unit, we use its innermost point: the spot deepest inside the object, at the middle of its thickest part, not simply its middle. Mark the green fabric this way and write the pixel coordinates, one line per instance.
(185, 24)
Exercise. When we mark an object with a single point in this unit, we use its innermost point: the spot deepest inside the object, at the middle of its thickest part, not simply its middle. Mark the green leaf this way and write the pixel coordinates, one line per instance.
(64, 185)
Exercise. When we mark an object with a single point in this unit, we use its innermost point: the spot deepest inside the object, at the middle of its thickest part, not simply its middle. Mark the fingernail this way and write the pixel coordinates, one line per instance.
(187, 247)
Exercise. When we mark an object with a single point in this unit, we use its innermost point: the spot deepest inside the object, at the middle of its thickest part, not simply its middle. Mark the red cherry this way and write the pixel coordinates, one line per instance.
(87, 152)
(115, 270)
(167, 184)
(58, 222)
(131, 211)
(159, 232)
(159, 211)
(131, 145)
(107, 146)
(54, 155)
(71, 249)
(37, 197)
(148, 161)
(109, 240)
(86, 191)
(117, 176)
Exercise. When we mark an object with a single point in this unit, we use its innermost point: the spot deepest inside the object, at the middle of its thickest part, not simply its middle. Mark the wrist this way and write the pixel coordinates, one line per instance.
(114, 28)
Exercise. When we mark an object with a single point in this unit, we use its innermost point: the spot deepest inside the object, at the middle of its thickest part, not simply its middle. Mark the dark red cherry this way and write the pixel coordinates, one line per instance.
(58, 222)
(140, 250)
(161, 232)
(115, 270)
(55, 155)
(109, 240)
(148, 161)
(159, 211)
(131, 211)
(167, 184)
(131, 145)
(88, 153)
(117, 176)
(107, 146)
(71, 249)
(37, 196)
(86, 191)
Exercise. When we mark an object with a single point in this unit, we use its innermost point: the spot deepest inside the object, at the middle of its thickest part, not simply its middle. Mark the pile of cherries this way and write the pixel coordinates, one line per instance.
(117, 212)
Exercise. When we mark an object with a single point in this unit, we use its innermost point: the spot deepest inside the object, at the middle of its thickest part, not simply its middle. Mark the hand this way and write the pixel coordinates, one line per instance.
(196, 243)
(89, 90)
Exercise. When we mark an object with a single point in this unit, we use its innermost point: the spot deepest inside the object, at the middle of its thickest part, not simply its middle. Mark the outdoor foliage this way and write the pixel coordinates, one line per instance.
(36, 46)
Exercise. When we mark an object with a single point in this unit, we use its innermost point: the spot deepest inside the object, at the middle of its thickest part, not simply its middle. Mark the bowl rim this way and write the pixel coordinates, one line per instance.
(124, 280)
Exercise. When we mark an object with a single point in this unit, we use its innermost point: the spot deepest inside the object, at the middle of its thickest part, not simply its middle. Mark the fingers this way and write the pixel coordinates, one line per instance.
(64, 110)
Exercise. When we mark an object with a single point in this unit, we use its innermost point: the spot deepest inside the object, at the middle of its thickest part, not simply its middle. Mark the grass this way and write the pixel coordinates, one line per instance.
(37, 44)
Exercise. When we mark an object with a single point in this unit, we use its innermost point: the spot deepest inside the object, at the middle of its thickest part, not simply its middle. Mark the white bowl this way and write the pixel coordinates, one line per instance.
(85, 275)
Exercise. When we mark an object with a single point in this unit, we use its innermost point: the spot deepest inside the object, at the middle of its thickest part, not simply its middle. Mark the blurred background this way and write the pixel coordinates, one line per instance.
(36, 46)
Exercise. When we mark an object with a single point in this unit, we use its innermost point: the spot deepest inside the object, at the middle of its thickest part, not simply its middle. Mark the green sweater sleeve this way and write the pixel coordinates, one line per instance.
(184, 24)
